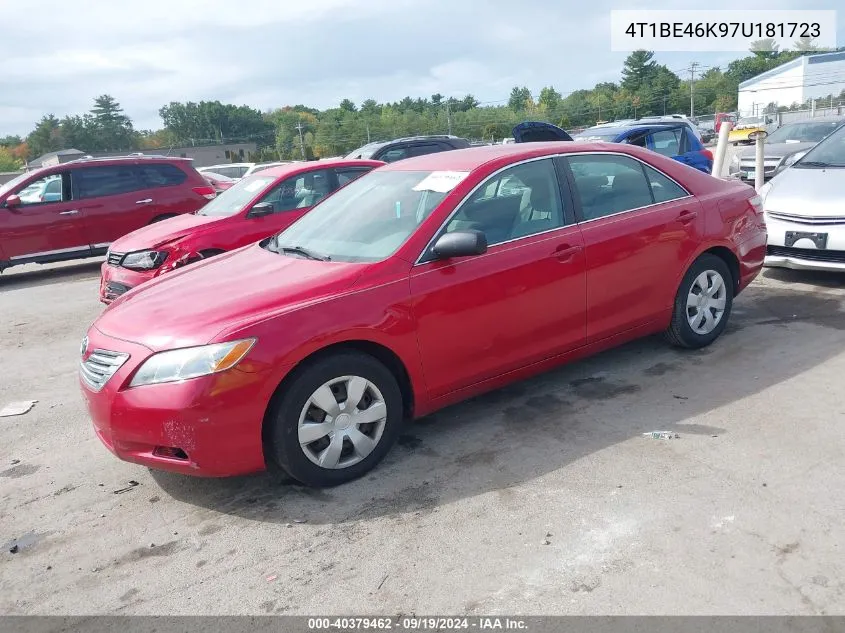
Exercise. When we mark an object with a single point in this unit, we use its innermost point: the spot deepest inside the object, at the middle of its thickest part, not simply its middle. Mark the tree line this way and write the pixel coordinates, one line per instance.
(299, 131)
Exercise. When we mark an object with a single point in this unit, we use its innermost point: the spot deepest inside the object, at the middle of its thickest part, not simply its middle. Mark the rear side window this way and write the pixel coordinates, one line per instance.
(161, 175)
(609, 184)
(666, 142)
(394, 154)
(95, 182)
(663, 188)
(348, 175)
(428, 148)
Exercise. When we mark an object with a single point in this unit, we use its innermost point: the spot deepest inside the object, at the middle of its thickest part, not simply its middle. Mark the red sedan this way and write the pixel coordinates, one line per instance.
(423, 283)
(247, 211)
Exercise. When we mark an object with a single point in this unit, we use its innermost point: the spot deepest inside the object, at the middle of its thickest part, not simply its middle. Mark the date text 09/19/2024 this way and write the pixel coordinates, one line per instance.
(416, 623)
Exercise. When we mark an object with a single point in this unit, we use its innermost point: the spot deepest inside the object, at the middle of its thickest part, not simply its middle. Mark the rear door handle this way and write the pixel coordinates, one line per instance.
(144, 201)
(687, 216)
(71, 212)
(565, 252)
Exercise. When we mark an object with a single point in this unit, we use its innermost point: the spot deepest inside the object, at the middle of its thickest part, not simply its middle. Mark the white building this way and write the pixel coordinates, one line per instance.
(795, 82)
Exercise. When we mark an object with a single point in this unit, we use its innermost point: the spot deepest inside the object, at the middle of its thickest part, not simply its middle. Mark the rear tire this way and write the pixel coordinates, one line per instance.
(357, 420)
(703, 304)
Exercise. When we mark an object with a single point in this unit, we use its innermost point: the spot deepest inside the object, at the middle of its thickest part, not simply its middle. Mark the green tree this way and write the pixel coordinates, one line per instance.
(347, 105)
(766, 48)
(550, 99)
(46, 137)
(639, 68)
(519, 99)
(8, 161)
(10, 140)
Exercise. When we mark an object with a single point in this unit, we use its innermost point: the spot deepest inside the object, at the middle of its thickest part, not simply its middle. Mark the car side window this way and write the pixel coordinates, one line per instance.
(666, 142)
(517, 202)
(426, 148)
(42, 191)
(608, 184)
(299, 192)
(663, 188)
(112, 180)
(347, 175)
(161, 175)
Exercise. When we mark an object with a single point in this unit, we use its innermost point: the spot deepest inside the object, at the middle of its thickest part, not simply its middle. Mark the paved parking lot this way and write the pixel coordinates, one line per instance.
(541, 498)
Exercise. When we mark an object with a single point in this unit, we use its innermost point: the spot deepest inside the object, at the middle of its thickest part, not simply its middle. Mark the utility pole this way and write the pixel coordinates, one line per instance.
(299, 127)
(692, 67)
(664, 104)
(448, 117)
(368, 132)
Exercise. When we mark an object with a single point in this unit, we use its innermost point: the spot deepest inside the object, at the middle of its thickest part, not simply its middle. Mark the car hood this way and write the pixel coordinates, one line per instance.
(808, 192)
(538, 132)
(194, 304)
(775, 150)
(158, 233)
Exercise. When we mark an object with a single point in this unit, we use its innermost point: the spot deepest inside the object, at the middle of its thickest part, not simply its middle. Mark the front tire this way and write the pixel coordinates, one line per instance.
(703, 303)
(336, 420)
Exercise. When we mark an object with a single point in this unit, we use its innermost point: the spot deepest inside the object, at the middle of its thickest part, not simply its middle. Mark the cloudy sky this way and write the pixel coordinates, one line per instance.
(59, 54)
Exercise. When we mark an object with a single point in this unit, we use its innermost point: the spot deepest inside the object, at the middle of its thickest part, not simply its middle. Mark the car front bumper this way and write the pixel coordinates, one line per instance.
(215, 421)
(116, 281)
(804, 254)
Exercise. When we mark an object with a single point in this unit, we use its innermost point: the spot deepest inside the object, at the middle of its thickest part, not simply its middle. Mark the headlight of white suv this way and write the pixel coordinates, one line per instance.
(191, 362)
(788, 161)
(144, 260)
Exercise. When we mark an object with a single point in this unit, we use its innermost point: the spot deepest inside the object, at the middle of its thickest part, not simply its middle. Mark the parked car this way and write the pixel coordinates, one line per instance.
(673, 139)
(77, 209)
(230, 170)
(220, 183)
(805, 209)
(418, 285)
(262, 166)
(402, 148)
(783, 147)
(746, 126)
(724, 117)
(255, 207)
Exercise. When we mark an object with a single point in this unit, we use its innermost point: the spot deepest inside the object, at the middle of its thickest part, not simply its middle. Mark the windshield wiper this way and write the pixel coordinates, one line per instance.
(304, 252)
(813, 163)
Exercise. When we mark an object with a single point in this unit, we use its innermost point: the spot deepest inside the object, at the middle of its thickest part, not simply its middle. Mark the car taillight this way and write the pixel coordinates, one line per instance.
(206, 192)
(707, 153)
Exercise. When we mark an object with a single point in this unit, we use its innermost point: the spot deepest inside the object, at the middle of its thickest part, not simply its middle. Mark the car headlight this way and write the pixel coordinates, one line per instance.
(144, 260)
(788, 161)
(191, 362)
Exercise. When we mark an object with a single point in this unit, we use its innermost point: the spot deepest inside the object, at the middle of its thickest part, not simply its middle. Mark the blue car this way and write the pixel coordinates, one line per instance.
(675, 140)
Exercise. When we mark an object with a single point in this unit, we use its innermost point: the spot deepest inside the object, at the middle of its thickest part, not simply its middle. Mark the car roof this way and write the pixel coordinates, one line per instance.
(289, 169)
(474, 157)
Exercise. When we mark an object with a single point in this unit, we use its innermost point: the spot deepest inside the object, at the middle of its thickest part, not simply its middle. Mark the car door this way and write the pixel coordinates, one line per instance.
(680, 145)
(46, 223)
(520, 302)
(639, 228)
(111, 201)
(290, 200)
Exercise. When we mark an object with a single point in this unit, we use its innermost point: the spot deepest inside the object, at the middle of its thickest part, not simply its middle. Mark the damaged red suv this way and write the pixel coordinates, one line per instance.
(253, 208)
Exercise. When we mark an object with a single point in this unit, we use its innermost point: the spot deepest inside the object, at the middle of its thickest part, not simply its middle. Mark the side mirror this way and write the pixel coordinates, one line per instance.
(13, 201)
(260, 210)
(460, 244)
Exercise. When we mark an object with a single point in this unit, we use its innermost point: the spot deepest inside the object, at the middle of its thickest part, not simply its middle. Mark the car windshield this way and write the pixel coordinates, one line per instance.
(234, 199)
(806, 132)
(364, 152)
(14, 182)
(828, 153)
(598, 134)
(368, 219)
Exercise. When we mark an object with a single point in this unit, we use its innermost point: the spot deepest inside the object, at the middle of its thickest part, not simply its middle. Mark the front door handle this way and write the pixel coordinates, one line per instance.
(144, 201)
(565, 252)
(687, 216)
(71, 212)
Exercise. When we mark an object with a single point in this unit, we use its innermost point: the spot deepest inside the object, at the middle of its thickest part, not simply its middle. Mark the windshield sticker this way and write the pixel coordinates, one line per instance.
(255, 185)
(441, 181)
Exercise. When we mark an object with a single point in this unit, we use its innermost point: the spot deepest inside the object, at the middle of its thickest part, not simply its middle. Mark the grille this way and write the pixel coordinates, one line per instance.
(810, 254)
(114, 290)
(806, 219)
(114, 259)
(100, 366)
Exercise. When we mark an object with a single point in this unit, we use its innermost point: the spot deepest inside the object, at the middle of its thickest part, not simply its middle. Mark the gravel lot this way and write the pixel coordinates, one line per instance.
(543, 498)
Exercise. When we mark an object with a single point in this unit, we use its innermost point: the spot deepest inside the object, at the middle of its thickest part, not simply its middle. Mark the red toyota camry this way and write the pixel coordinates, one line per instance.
(247, 211)
(418, 285)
